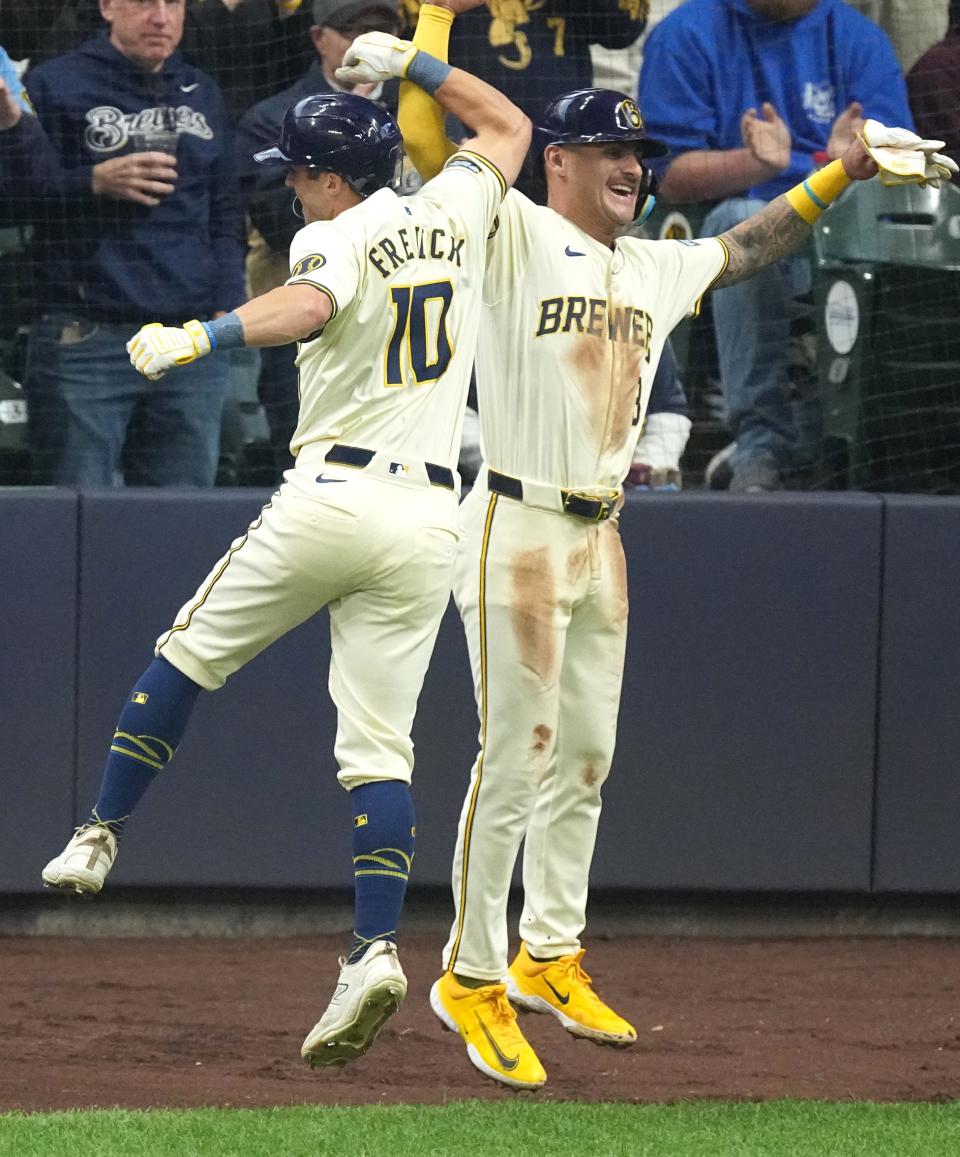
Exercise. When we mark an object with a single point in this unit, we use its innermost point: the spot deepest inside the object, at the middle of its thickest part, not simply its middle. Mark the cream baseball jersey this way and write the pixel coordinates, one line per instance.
(570, 341)
(405, 277)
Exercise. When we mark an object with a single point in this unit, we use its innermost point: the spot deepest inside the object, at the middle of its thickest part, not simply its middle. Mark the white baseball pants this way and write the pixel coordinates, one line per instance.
(543, 597)
(377, 551)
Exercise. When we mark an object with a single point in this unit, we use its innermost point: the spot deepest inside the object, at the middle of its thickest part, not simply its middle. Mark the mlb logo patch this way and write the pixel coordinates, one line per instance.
(399, 468)
(139, 697)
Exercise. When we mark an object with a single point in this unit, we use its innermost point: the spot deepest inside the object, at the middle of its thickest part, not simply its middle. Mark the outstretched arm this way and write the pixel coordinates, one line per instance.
(286, 314)
(784, 226)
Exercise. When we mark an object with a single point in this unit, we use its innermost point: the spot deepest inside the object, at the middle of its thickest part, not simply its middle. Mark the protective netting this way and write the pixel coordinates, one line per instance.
(863, 361)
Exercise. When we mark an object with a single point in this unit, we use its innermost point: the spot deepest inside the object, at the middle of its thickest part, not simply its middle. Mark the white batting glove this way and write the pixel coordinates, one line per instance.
(904, 158)
(156, 348)
(375, 57)
(663, 441)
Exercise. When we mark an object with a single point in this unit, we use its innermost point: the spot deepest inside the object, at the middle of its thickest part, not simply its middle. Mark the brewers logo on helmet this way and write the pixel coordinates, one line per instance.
(593, 116)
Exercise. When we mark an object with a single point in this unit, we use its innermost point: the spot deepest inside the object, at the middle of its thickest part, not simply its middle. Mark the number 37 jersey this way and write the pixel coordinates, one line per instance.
(392, 367)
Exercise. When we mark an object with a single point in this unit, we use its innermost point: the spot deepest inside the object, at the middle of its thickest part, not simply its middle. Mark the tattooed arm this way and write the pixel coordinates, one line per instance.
(776, 231)
(784, 226)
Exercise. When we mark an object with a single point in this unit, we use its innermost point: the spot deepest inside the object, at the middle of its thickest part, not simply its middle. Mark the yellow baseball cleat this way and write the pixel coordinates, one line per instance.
(488, 1025)
(561, 987)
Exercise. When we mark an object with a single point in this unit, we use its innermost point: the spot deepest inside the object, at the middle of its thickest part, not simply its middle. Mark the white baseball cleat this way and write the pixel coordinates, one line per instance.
(368, 994)
(83, 864)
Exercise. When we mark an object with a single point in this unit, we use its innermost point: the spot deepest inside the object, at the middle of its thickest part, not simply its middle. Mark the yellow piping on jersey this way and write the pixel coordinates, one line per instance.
(723, 269)
(323, 289)
(210, 585)
(487, 164)
(471, 812)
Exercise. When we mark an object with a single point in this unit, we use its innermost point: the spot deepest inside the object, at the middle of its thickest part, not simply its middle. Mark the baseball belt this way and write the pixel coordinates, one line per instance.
(343, 455)
(596, 508)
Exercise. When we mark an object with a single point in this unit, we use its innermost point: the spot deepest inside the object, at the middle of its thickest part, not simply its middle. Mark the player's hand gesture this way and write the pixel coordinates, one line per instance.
(767, 136)
(375, 57)
(845, 130)
(902, 157)
(145, 178)
(10, 110)
(156, 348)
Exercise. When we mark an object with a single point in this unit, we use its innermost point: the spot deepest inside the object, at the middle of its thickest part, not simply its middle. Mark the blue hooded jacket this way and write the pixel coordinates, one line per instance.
(709, 61)
(114, 260)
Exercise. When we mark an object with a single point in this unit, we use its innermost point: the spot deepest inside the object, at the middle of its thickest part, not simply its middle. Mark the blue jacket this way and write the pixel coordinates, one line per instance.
(114, 260)
(709, 61)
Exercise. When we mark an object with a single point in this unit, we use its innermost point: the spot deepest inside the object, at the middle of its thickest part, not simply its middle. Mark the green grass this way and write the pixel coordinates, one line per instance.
(504, 1129)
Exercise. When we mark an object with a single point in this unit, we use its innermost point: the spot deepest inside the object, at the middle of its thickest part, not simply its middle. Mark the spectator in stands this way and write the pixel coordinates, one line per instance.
(618, 68)
(28, 165)
(933, 86)
(750, 94)
(251, 48)
(269, 202)
(149, 226)
(533, 52)
(912, 25)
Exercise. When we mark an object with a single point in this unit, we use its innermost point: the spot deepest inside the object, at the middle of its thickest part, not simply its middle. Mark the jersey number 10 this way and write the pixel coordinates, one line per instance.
(420, 333)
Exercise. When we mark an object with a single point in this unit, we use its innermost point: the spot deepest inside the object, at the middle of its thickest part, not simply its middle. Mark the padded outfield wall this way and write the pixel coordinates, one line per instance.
(787, 721)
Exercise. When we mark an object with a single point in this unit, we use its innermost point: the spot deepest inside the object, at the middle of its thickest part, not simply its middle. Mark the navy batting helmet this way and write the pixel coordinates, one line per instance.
(594, 115)
(343, 134)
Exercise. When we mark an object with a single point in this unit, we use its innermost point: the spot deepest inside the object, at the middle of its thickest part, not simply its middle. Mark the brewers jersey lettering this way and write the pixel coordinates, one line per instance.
(582, 327)
(365, 522)
(404, 278)
(571, 337)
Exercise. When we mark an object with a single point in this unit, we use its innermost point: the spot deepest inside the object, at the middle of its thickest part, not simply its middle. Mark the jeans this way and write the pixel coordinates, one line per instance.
(752, 322)
(279, 393)
(96, 421)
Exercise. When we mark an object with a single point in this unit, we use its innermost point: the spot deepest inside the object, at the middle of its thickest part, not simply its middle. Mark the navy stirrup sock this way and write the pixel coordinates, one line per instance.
(149, 731)
(383, 839)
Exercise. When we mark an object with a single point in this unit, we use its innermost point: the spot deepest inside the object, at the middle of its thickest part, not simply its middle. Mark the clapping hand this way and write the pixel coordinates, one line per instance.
(767, 136)
(845, 130)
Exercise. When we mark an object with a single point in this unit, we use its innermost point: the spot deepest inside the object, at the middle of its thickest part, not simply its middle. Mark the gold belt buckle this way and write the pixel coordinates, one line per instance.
(604, 503)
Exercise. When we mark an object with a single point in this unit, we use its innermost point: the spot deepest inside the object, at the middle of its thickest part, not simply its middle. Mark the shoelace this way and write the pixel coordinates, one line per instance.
(576, 976)
(501, 1015)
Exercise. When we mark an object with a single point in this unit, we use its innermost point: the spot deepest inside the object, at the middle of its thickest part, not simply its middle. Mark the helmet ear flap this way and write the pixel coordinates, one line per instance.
(647, 195)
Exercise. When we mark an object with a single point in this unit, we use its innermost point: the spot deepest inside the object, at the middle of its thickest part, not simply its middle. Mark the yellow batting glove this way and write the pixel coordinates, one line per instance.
(375, 57)
(904, 158)
(156, 348)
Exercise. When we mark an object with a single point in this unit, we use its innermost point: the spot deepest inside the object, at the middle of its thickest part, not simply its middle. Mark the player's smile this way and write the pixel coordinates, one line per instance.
(601, 183)
(623, 195)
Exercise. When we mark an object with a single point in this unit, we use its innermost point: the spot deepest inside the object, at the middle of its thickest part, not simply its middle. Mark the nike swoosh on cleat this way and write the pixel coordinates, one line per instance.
(562, 999)
(324, 478)
(508, 1063)
(573, 252)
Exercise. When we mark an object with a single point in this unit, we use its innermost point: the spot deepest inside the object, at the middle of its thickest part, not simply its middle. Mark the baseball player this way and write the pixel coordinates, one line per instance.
(575, 319)
(384, 298)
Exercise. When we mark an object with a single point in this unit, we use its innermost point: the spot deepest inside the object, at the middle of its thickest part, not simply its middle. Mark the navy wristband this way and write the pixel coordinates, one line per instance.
(225, 333)
(428, 72)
